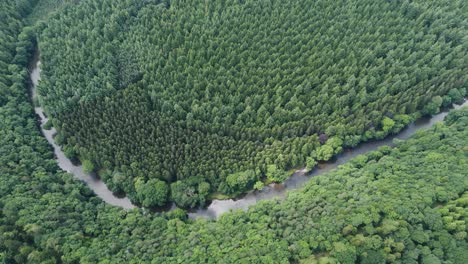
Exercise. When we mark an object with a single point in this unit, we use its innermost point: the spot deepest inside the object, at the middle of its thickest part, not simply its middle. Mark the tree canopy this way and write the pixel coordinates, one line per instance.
(405, 204)
(203, 90)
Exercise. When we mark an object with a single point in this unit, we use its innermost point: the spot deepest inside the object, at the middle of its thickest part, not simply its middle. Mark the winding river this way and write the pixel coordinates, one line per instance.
(98, 186)
(218, 207)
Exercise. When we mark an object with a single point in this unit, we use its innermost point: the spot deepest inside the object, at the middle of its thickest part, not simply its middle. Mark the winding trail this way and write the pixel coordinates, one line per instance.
(218, 207)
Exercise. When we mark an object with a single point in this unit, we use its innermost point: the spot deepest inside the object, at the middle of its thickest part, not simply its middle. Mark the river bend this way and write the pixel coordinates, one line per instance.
(218, 207)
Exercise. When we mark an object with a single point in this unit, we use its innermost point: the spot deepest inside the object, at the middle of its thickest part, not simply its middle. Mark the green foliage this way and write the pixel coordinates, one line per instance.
(372, 257)
(152, 192)
(259, 185)
(345, 253)
(88, 166)
(325, 152)
(239, 182)
(387, 124)
(70, 152)
(275, 174)
(454, 96)
(433, 107)
(397, 206)
(173, 90)
(189, 193)
(310, 163)
(48, 125)
(332, 147)
(46, 8)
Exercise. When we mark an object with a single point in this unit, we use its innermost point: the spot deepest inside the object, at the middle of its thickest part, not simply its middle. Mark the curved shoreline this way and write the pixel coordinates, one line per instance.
(300, 177)
(218, 207)
(95, 184)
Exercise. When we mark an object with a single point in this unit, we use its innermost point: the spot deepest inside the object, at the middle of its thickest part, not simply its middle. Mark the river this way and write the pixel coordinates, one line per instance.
(98, 186)
(218, 207)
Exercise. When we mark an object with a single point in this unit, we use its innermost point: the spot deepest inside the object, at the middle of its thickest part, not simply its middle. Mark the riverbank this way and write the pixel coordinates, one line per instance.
(93, 182)
(300, 177)
(223, 203)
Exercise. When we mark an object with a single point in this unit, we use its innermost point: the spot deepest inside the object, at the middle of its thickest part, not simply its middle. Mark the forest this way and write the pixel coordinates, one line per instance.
(186, 100)
(406, 204)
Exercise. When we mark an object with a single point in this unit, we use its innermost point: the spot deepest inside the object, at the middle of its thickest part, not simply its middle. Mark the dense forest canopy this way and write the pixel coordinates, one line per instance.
(402, 205)
(216, 96)
(406, 204)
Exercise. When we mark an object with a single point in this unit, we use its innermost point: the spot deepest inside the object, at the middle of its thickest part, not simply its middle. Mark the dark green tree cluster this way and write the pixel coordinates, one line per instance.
(402, 205)
(42, 207)
(200, 90)
(406, 204)
(43, 9)
(27, 171)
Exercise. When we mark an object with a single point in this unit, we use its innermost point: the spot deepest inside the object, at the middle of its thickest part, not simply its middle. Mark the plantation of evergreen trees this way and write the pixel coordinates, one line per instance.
(203, 97)
(406, 204)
